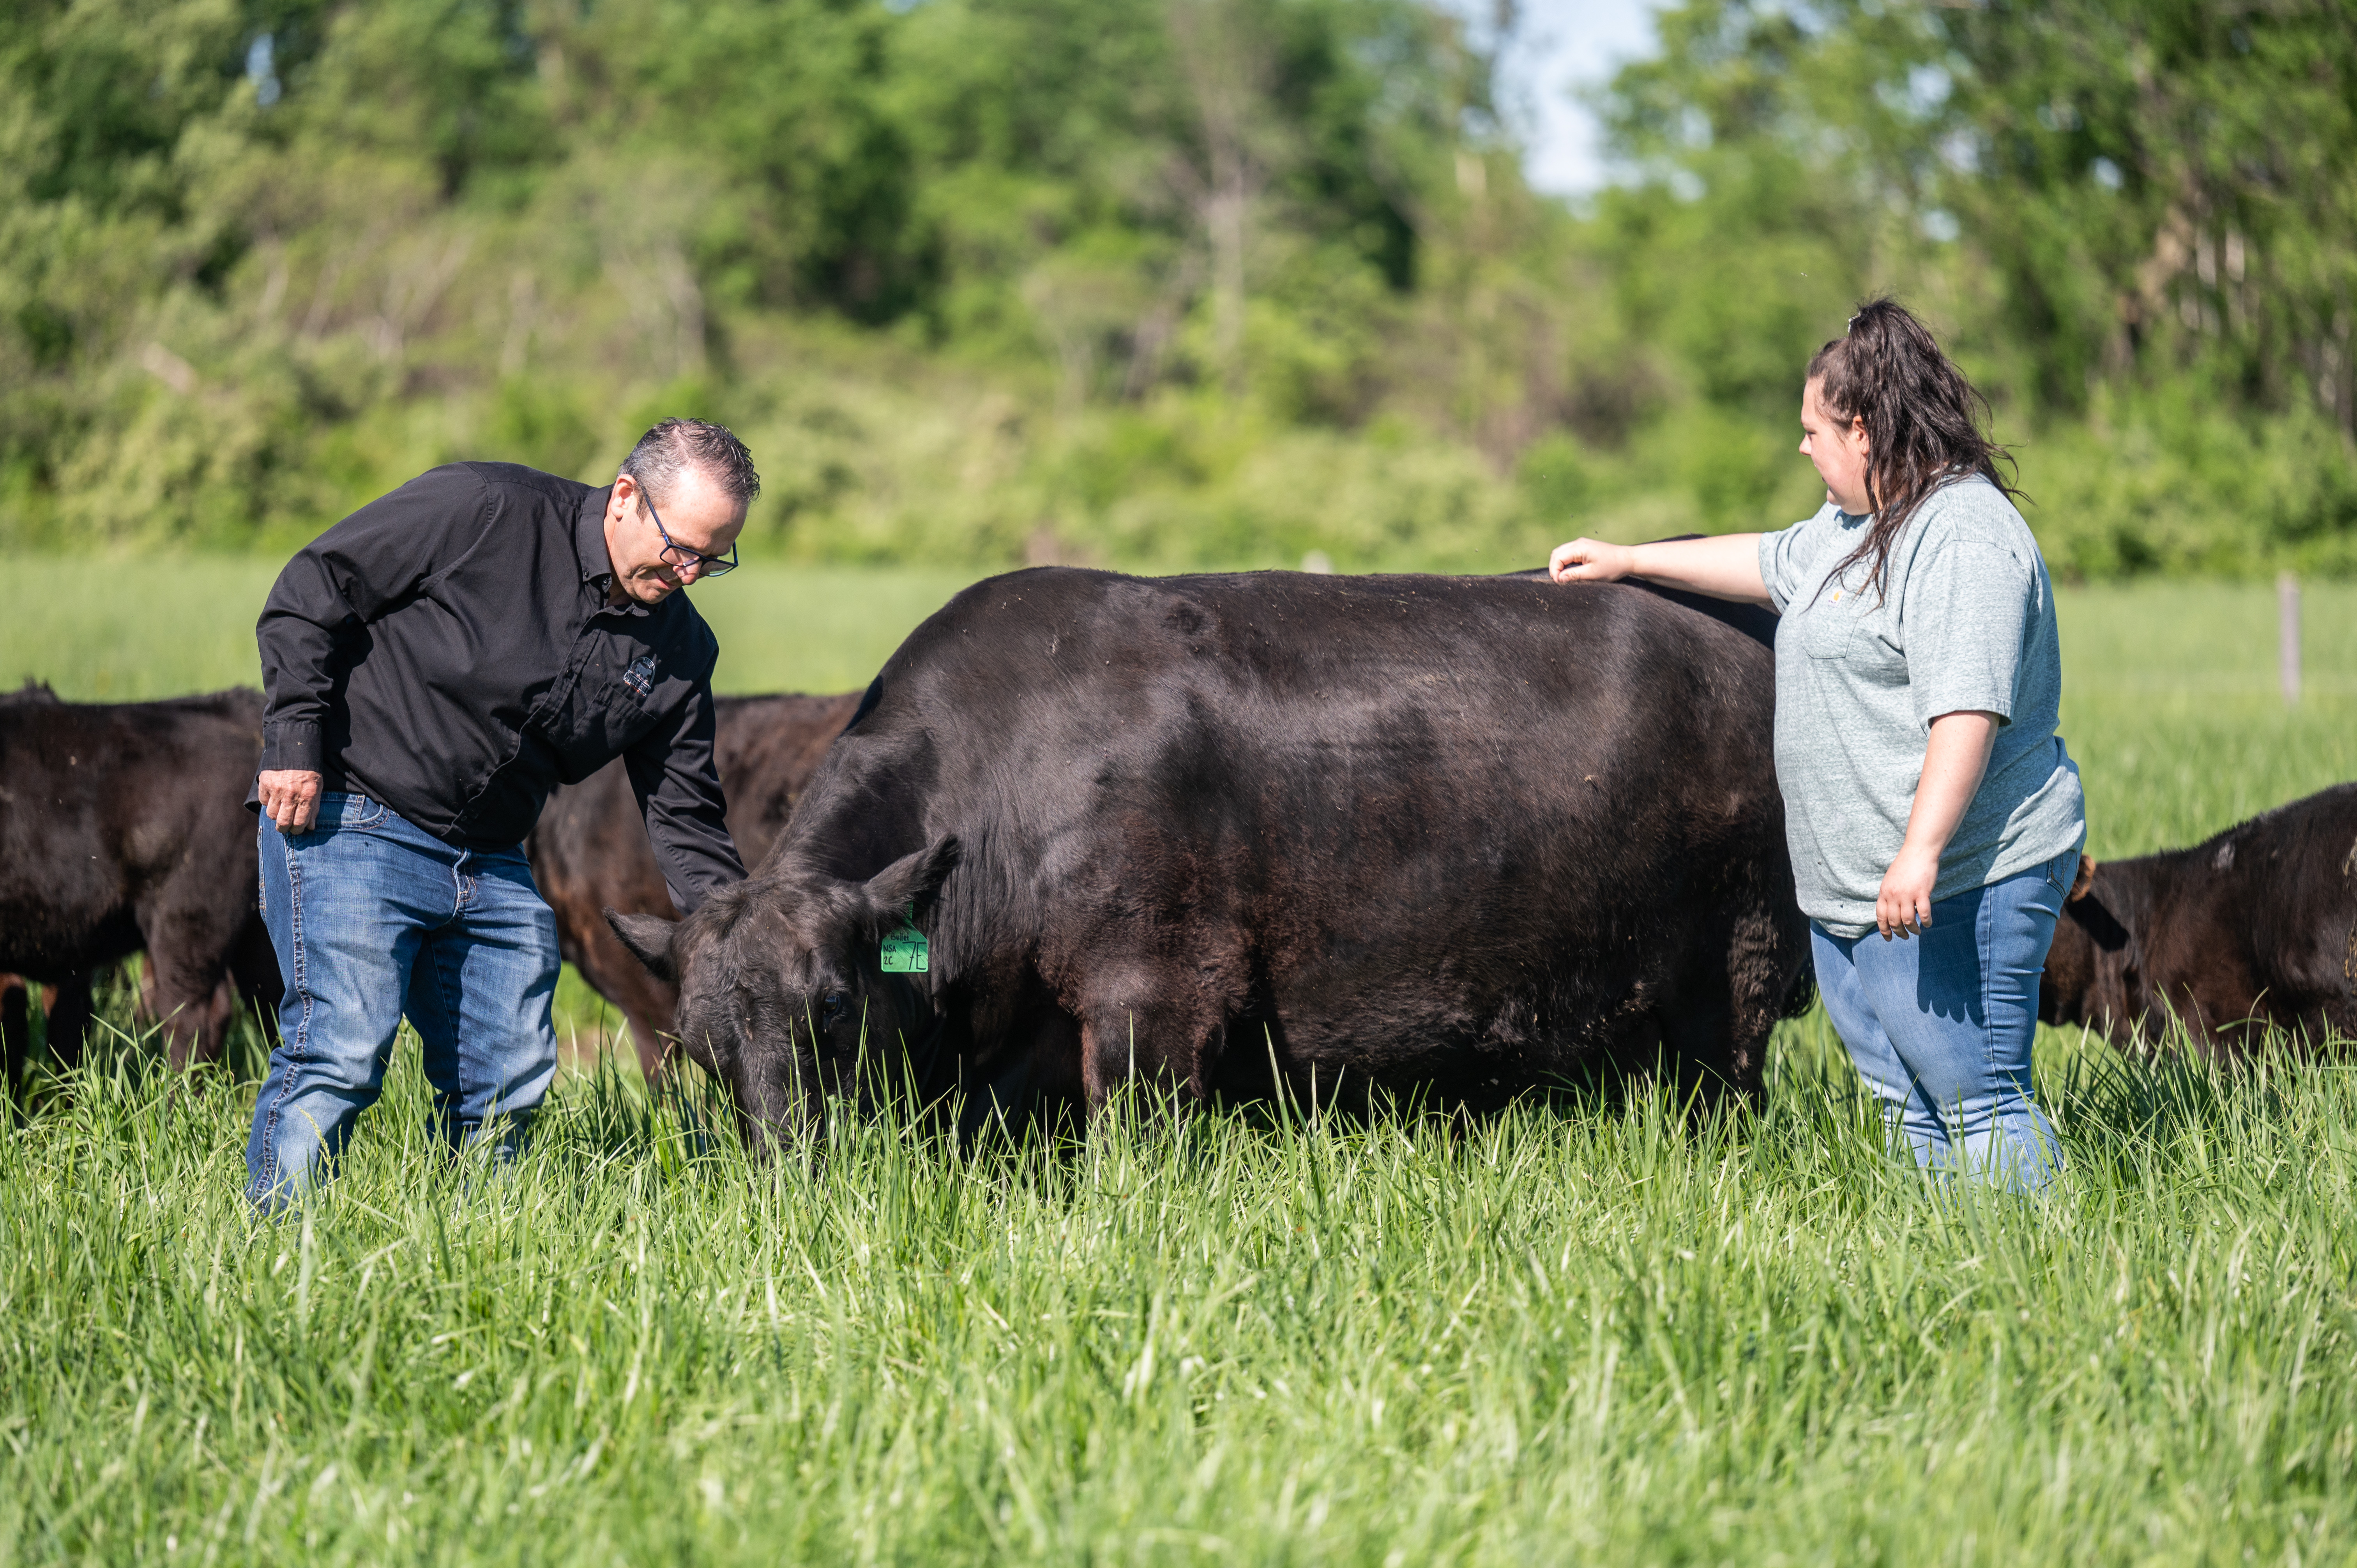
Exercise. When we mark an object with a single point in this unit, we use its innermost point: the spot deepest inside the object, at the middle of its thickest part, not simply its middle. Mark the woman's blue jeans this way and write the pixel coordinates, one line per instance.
(1941, 1025)
(373, 917)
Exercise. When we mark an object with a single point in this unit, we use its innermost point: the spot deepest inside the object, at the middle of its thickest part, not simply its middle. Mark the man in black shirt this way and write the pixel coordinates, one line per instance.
(436, 664)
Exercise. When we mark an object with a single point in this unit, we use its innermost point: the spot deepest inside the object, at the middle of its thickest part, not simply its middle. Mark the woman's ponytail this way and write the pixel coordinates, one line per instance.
(1924, 422)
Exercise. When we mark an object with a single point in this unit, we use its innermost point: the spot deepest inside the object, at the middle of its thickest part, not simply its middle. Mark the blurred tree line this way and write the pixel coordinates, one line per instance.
(1166, 281)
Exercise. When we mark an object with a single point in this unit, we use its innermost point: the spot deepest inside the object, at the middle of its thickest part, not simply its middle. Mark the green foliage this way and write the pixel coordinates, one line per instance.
(2125, 218)
(1170, 281)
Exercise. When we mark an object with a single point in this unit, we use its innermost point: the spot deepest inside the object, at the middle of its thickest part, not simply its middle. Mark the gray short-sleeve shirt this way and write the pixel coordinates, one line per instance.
(1964, 619)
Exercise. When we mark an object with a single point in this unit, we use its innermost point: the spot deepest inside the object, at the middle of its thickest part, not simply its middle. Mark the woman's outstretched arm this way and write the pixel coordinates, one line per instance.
(1725, 567)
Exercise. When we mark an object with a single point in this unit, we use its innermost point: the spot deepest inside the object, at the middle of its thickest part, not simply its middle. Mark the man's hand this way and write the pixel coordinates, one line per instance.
(1591, 561)
(290, 797)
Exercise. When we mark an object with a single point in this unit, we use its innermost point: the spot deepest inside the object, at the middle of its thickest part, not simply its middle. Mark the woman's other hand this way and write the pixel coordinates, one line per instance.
(1591, 561)
(1903, 908)
(1954, 757)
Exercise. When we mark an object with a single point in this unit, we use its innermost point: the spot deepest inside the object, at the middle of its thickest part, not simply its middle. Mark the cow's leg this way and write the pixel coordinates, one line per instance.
(185, 989)
(1046, 1082)
(69, 1019)
(1698, 1051)
(260, 988)
(1130, 1033)
(15, 1031)
(1714, 1032)
(212, 1028)
(654, 1051)
(1159, 1015)
(191, 1004)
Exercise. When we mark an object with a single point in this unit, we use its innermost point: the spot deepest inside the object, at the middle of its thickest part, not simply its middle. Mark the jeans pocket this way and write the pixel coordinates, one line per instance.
(341, 810)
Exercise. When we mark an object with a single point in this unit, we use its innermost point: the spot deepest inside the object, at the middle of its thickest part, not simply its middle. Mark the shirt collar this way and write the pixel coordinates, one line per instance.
(589, 548)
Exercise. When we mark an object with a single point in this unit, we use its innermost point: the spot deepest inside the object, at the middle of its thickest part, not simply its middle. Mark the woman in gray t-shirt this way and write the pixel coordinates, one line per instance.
(1934, 815)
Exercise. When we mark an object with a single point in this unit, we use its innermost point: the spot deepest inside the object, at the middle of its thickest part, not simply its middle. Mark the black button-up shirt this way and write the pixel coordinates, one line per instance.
(448, 650)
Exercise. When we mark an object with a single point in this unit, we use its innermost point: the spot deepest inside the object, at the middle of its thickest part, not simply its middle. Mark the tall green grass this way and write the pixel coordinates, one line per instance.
(1580, 1332)
(1577, 1333)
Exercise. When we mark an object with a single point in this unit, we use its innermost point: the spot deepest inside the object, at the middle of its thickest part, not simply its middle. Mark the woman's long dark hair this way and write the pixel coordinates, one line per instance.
(1924, 423)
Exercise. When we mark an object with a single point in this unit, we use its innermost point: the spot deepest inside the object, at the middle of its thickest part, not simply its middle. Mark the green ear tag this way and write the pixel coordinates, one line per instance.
(905, 951)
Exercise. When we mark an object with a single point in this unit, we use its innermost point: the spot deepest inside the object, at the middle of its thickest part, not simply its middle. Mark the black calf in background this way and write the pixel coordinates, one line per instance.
(123, 827)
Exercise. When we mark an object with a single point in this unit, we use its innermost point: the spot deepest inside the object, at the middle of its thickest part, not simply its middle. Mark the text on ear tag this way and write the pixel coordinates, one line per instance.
(905, 952)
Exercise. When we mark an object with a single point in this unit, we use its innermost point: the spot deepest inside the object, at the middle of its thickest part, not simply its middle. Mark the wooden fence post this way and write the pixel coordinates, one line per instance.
(2287, 634)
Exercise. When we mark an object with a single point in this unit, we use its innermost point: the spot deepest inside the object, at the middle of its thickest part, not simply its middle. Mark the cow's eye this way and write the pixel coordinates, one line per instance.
(833, 1009)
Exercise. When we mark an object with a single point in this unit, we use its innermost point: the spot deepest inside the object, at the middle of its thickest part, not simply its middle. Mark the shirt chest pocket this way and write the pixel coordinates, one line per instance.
(630, 700)
(1830, 628)
(1856, 631)
(608, 708)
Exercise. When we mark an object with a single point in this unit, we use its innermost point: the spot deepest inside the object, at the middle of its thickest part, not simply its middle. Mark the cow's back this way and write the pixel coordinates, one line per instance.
(103, 804)
(2261, 921)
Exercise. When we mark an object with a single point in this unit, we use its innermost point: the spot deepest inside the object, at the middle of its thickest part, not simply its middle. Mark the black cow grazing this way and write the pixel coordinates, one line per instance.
(123, 826)
(1456, 835)
(2255, 927)
(589, 849)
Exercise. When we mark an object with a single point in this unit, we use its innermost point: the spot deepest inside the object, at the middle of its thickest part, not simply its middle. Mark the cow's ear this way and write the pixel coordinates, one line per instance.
(910, 881)
(648, 938)
(2085, 883)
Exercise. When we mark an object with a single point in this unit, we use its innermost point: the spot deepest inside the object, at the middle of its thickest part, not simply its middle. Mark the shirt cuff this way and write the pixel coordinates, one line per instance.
(292, 746)
(1936, 702)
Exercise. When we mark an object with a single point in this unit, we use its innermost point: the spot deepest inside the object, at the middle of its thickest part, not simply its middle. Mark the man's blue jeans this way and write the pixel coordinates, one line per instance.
(1941, 1024)
(373, 917)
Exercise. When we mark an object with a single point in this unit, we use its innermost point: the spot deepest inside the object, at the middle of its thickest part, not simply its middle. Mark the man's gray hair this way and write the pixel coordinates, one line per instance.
(675, 445)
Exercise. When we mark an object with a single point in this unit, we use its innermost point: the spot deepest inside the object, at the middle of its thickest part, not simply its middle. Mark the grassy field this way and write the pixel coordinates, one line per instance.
(1578, 1332)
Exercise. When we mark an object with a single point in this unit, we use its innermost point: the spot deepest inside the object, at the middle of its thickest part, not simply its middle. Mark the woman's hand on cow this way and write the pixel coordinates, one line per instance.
(1725, 567)
(290, 797)
(1591, 561)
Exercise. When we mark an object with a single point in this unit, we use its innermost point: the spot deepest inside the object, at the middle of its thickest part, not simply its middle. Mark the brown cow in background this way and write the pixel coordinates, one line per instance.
(589, 849)
(2255, 927)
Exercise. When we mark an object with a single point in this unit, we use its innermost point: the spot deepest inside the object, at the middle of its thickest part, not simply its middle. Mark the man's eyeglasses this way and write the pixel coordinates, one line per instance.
(680, 557)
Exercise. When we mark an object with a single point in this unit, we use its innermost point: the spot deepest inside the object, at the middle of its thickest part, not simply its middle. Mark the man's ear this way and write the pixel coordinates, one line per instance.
(2085, 883)
(910, 880)
(648, 938)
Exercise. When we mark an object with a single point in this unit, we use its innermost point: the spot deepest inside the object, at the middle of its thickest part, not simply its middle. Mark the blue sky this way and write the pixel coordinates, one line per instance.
(1558, 44)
